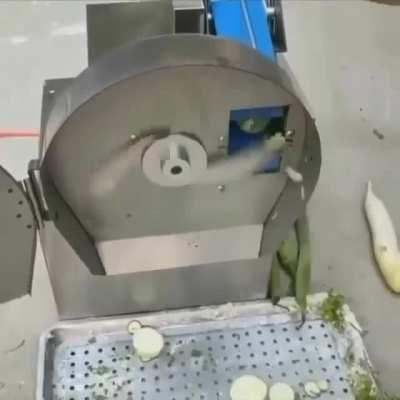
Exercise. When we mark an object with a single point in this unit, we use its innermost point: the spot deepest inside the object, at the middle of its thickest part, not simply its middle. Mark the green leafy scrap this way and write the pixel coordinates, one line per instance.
(364, 388)
(331, 310)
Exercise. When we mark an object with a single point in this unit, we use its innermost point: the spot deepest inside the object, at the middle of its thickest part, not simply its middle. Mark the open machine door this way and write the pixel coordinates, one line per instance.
(17, 239)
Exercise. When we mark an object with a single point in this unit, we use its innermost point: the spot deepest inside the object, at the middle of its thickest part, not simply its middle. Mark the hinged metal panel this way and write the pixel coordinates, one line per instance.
(17, 239)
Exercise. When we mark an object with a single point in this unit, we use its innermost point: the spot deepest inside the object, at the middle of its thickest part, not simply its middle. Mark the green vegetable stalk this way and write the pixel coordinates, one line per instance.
(288, 254)
(294, 259)
(303, 272)
(365, 388)
(275, 290)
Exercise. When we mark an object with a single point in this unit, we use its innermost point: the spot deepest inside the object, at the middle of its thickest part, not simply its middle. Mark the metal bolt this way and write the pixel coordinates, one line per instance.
(52, 91)
(133, 136)
(221, 188)
(271, 11)
(221, 138)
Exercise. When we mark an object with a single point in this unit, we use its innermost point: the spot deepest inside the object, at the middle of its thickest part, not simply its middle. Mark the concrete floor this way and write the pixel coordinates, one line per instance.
(344, 55)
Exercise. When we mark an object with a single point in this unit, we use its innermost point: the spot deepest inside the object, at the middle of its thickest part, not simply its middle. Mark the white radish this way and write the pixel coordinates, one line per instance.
(311, 389)
(384, 239)
(323, 385)
(248, 387)
(148, 343)
(281, 391)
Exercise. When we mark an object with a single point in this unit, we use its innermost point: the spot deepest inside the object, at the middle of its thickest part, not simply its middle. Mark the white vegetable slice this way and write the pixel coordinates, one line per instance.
(311, 389)
(294, 175)
(281, 391)
(384, 239)
(248, 387)
(323, 385)
(133, 326)
(148, 343)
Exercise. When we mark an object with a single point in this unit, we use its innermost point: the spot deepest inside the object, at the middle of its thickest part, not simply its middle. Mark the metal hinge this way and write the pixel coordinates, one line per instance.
(34, 190)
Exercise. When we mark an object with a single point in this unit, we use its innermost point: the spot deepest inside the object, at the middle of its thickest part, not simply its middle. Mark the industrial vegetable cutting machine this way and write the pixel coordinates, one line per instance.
(166, 179)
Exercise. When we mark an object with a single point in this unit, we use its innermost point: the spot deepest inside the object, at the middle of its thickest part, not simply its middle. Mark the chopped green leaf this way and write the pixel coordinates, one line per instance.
(331, 310)
(365, 389)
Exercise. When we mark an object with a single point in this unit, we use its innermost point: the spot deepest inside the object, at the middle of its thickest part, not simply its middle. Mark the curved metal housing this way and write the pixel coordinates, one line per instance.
(139, 92)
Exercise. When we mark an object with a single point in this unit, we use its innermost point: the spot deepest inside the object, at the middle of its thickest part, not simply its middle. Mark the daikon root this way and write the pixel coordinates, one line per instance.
(384, 239)
(281, 391)
(148, 343)
(248, 387)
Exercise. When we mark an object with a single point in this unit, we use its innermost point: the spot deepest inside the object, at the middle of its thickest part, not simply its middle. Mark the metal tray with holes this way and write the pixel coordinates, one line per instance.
(205, 350)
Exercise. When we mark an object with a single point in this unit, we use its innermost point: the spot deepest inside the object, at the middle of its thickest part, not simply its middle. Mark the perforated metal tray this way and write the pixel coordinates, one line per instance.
(206, 349)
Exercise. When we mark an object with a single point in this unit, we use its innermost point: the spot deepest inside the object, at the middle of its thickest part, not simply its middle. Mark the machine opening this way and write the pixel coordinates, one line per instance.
(250, 126)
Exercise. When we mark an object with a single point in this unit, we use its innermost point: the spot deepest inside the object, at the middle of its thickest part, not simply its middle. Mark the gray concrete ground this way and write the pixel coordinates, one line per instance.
(345, 57)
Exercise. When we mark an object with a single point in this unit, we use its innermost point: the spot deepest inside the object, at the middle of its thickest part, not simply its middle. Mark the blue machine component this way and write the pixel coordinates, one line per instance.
(240, 138)
(245, 21)
(260, 112)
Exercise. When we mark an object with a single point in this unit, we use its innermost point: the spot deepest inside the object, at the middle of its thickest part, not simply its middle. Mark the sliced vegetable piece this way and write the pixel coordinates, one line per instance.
(281, 391)
(386, 249)
(303, 273)
(133, 326)
(294, 175)
(311, 389)
(323, 385)
(148, 343)
(248, 387)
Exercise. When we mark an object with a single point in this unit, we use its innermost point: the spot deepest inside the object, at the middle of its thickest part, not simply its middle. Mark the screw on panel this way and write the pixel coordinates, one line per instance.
(271, 11)
(221, 188)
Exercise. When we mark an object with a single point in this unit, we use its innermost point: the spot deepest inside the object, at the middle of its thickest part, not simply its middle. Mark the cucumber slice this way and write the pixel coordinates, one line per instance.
(281, 391)
(148, 343)
(248, 387)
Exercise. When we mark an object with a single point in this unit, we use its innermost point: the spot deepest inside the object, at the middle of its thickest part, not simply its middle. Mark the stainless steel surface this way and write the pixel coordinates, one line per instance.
(205, 350)
(123, 109)
(18, 239)
(292, 202)
(189, 16)
(120, 94)
(51, 89)
(78, 293)
(110, 26)
(180, 250)
(277, 25)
